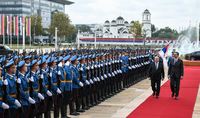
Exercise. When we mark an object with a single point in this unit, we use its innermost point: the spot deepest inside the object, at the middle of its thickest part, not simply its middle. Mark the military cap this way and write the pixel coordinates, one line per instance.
(74, 58)
(10, 64)
(66, 58)
(42, 61)
(51, 59)
(34, 63)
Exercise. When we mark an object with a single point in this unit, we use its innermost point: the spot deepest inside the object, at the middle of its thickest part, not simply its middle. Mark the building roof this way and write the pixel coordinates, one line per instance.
(64, 2)
(107, 21)
(120, 18)
(146, 11)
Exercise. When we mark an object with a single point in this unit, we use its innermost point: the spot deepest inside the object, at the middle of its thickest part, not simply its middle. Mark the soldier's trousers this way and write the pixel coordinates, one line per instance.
(25, 112)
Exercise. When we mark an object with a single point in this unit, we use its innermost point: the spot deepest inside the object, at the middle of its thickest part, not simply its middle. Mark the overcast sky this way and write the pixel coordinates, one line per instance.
(172, 13)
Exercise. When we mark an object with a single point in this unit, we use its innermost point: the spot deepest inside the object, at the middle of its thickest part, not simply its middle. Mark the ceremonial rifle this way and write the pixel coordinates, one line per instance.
(50, 98)
(58, 76)
(41, 80)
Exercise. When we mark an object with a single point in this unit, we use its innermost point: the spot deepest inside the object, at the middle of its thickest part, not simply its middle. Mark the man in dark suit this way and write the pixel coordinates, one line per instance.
(156, 71)
(175, 74)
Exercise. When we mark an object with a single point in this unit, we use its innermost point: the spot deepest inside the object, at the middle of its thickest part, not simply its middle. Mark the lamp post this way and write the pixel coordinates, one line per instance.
(144, 36)
(56, 29)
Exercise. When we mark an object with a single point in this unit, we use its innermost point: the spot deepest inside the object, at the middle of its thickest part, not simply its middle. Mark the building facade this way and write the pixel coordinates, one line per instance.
(146, 20)
(42, 8)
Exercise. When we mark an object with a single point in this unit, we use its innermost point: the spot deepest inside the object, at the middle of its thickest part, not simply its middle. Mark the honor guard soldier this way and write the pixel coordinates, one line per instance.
(13, 103)
(45, 108)
(25, 99)
(76, 85)
(54, 87)
(33, 82)
(68, 87)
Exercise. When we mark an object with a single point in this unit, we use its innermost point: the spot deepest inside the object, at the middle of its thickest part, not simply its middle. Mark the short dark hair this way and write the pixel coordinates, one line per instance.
(177, 53)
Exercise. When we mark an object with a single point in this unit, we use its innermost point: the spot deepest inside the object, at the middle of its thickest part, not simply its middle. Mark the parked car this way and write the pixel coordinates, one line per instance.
(4, 49)
(193, 56)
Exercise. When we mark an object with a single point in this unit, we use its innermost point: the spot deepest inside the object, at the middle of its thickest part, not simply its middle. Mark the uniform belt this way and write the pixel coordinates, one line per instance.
(37, 90)
(47, 85)
(63, 81)
(68, 81)
(55, 83)
(13, 95)
(26, 92)
(85, 76)
(1, 98)
(78, 78)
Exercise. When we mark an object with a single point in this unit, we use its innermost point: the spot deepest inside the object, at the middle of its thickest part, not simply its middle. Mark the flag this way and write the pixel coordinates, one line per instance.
(15, 26)
(2, 24)
(28, 26)
(21, 25)
(163, 54)
(9, 22)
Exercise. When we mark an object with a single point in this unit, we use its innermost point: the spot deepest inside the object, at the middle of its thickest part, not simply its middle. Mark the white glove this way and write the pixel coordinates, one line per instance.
(102, 78)
(98, 79)
(40, 96)
(32, 101)
(17, 103)
(106, 64)
(113, 74)
(19, 81)
(109, 74)
(59, 73)
(91, 82)
(88, 68)
(67, 63)
(120, 60)
(120, 71)
(105, 76)
(81, 69)
(81, 84)
(129, 67)
(95, 66)
(49, 93)
(41, 76)
(5, 82)
(4, 106)
(92, 67)
(31, 79)
(50, 74)
(113, 62)
(129, 58)
(58, 91)
(109, 63)
(87, 82)
(117, 61)
(101, 65)
(95, 79)
(60, 64)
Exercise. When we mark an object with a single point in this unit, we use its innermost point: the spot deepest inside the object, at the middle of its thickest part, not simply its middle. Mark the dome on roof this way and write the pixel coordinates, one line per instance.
(126, 22)
(132, 21)
(113, 21)
(120, 18)
(146, 11)
(107, 21)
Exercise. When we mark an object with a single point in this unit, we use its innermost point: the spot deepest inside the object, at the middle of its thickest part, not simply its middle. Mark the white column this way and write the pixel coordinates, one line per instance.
(56, 38)
(95, 40)
(23, 36)
(78, 39)
(197, 35)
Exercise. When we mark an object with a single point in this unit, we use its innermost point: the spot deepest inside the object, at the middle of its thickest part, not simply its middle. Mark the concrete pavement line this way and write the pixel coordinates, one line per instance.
(127, 109)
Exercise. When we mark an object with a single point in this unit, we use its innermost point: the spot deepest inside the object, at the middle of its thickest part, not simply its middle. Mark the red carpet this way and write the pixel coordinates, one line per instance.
(168, 107)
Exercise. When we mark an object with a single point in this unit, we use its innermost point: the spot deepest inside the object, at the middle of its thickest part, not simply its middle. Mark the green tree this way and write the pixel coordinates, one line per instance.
(63, 23)
(166, 33)
(137, 29)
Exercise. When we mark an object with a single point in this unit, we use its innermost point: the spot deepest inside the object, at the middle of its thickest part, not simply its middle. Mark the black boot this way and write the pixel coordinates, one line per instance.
(99, 96)
(56, 113)
(47, 114)
(95, 97)
(88, 101)
(102, 93)
(78, 108)
(84, 105)
(64, 111)
(72, 109)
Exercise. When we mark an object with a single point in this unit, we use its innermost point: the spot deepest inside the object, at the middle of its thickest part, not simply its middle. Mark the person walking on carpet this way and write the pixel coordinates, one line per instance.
(156, 71)
(175, 74)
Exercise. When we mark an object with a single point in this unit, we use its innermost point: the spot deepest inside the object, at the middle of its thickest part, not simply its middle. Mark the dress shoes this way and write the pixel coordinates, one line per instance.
(157, 96)
(153, 93)
(176, 97)
(172, 94)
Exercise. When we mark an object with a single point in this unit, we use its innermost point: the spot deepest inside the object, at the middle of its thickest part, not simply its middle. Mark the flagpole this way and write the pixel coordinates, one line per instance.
(17, 41)
(11, 31)
(30, 32)
(23, 37)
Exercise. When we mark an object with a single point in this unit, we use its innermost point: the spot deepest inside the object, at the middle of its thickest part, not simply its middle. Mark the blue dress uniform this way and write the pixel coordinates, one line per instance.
(24, 91)
(125, 70)
(75, 86)
(11, 89)
(55, 89)
(35, 84)
(67, 87)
